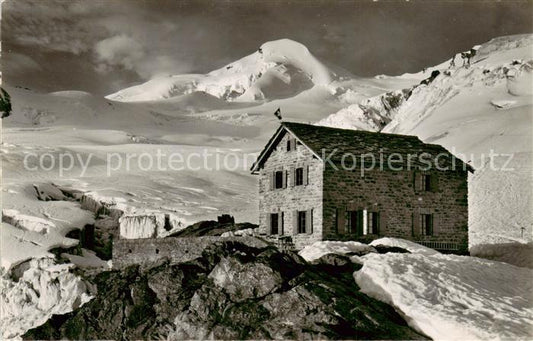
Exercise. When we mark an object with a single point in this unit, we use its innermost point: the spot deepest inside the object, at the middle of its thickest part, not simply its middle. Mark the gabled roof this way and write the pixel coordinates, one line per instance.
(322, 141)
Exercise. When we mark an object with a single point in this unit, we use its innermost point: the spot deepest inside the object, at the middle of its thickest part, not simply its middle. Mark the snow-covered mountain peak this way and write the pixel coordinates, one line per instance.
(278, 69)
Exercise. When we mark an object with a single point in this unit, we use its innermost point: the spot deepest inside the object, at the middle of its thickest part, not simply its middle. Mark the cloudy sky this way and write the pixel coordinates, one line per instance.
(102, 46)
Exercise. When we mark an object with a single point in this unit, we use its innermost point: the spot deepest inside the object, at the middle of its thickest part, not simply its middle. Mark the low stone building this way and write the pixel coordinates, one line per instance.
(319, 183)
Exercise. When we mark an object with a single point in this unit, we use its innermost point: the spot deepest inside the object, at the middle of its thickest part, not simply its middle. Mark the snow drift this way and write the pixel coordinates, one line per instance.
(319, 249)
(445, 297)
(450, 297)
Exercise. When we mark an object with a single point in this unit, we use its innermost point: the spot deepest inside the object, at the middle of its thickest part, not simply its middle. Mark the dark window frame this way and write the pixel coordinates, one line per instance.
(426, 223)
(274, 228)
(352, 222)
(426, 182)
(299, 176)
(302, 223)
(289, 143)
(278, 179)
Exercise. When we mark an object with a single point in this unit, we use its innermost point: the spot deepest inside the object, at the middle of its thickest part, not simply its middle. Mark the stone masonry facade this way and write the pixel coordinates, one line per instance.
(399, 203)
(290, 199)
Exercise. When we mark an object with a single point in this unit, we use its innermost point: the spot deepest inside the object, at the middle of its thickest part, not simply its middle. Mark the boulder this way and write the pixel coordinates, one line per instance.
(244, 281)
(387, 249)
(48, 192)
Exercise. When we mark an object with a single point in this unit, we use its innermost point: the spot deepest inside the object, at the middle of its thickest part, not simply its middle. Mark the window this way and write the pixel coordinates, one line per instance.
(274, 223)
(301, 221)
(426, 222)
(354, 222)
(426, 182)
(291, 144)
(373, 222)
(299, 177)
(279, 179)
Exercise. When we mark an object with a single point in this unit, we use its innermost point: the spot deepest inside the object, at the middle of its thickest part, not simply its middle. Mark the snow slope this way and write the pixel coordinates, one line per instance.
(445, 297)
(450, 297)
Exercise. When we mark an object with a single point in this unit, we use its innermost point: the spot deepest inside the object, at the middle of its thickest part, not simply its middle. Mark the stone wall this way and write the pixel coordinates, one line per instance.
(148, 250)
(292, 198)
(393, 195)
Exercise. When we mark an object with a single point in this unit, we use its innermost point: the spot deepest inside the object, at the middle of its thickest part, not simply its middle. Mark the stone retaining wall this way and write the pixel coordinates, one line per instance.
(177, 250)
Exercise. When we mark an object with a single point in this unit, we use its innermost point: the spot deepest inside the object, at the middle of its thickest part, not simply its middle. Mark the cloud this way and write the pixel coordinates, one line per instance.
(52, 25)
(124, 52)
(17, 63)
(120, 50)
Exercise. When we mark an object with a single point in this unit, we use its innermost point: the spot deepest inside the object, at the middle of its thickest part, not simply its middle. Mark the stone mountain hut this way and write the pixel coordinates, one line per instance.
(319, 183)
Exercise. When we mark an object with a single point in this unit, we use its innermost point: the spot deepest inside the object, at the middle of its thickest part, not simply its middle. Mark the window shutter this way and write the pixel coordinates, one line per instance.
(382, 222)
(378, 223)
(435, 224)
(272, 180)
(282, 223)
(417, 181)
(360, 222)
(341, 218)
(309, 221)
(269, 223)
(284, 179)
(293, 144)
(434, 179)
(306, 174)
(292, 179)
(416, 223)
(295, 222)
(347, 221)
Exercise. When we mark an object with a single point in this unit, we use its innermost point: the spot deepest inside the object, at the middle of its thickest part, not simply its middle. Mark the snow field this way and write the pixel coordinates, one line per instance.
(445, 297)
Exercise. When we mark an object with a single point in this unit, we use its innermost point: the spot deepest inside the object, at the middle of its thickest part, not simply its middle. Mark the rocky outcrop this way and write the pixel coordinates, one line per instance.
(232, 291)
(371, 114)
(47, 192)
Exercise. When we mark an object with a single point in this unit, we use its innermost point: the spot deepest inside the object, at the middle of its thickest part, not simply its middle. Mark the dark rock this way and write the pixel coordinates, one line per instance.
(387, 249)
(5, 103)
(212, 228)
(233, 291)
(335, 263)
(48, 192)
(333, 259)
(225, 219)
